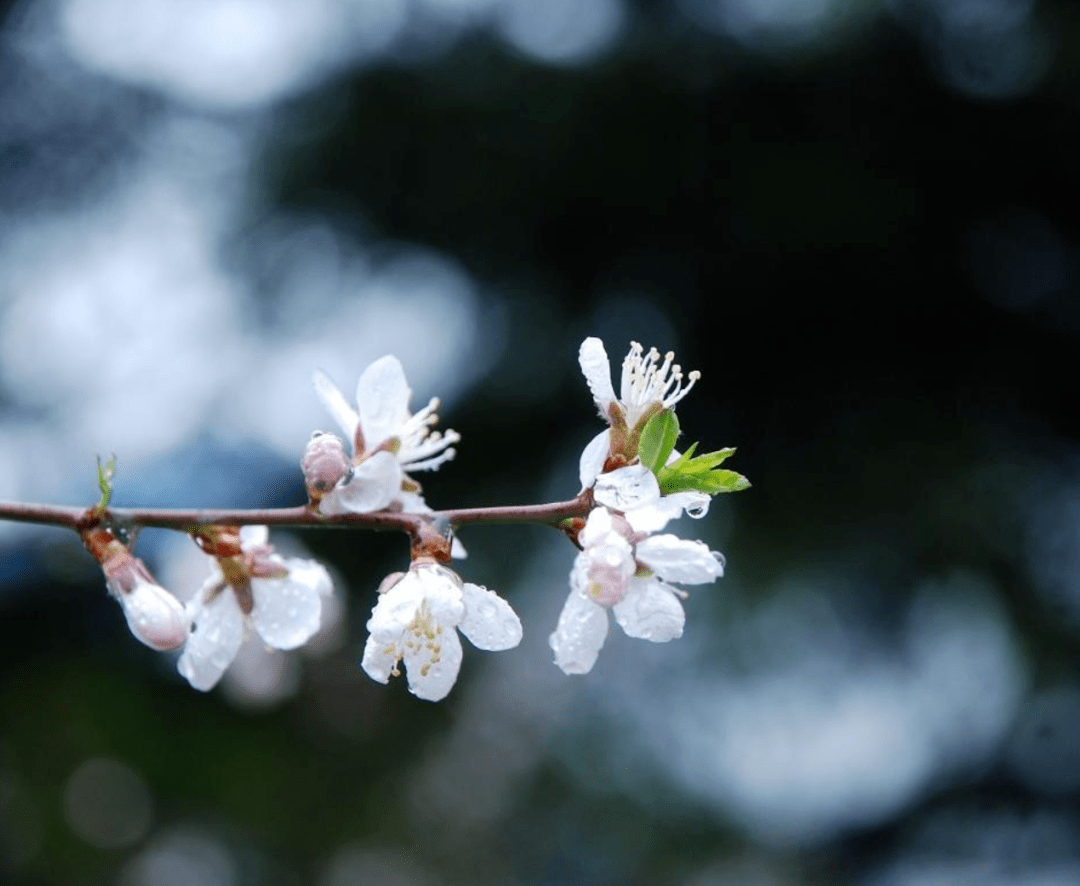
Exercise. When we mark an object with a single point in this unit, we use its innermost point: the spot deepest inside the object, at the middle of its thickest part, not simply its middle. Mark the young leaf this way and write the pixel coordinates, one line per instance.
(658, 439)
(105, 474)
(699, 474)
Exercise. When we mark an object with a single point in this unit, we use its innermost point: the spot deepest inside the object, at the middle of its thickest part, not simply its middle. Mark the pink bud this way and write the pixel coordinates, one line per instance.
(324, 464)
(155, 617)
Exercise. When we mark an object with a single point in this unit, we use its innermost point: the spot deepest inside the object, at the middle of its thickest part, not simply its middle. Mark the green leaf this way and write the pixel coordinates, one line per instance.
(105, 474)
(700, 474)
(658, 439)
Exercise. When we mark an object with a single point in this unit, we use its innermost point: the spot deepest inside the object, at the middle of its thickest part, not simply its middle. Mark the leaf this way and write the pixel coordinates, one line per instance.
(658, 439)
(105, 473)
(700, 474)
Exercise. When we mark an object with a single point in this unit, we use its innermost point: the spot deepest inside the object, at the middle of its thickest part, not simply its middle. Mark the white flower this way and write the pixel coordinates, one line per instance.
(622, 568)
(417, 619)
(647, 387)
(388, 440)
(281, 598)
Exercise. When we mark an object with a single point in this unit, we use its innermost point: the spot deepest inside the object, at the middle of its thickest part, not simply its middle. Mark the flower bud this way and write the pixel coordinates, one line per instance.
(155, 616)
(324, 464)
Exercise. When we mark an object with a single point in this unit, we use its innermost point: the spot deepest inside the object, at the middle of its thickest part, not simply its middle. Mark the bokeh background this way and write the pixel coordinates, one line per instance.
(859, 220)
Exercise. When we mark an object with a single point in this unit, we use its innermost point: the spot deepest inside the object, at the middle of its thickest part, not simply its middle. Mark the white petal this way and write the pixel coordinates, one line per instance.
(596, 368)
(379, 658)
(457, 549)
(254, 535)
(696, 504)
(311, 573)
(336, 405)
(489, 622)
(383, 397)
(650, 611)
(680, 560)
(411, 502)
(597, 525)
(218, 633)
(395, 610)
(627, 488)
(287, 612)
(442, 591)
(432, 673)
(155, 616)
(593, 458)
(580, 634)
(374, 483)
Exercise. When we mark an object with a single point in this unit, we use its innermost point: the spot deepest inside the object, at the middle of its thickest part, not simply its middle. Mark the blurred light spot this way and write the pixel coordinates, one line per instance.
(107, 803)
(355, 865)
(1045, 750)
(181, 858)
(762, 23)
(561, 31)
(626, 317)
(220, 53)
(841, 734)
(259, 678)
(984, 48)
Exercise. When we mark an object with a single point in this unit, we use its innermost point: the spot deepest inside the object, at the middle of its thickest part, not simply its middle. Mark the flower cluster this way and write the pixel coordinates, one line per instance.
(622, 566)
(634, 483)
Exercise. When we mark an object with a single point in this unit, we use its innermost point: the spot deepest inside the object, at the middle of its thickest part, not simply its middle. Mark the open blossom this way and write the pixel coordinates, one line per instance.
(388, 440)
(416, 621)
(280, 598)
(648, 385)
(624, 569)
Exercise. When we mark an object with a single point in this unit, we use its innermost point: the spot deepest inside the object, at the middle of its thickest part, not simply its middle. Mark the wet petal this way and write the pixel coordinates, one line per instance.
(155, 616)
(287, 611)
(336, 404)
(212, 645)
(489, 622)
(580, 634)
(593, 458)
(383, 396)
(680, 560)
(627, 488)
(254, 535)
(650, 611)
(433, 668)
(596, 368)
(373, 485)
(442, 591)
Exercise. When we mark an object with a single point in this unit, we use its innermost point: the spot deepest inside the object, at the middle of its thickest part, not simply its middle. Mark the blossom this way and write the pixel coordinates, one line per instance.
(388, 441)
(416, 620)
(647, 386)
(254, 587)
(623, 568)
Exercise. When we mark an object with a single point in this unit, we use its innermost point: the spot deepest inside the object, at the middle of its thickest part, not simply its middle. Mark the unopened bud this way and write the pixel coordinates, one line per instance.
(155, 616)
(324, 464)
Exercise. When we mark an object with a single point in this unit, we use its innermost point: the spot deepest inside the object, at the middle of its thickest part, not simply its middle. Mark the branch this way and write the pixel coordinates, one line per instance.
(187, 519)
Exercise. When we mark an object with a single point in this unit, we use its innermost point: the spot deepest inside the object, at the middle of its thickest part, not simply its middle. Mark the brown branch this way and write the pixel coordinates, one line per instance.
(186, 519)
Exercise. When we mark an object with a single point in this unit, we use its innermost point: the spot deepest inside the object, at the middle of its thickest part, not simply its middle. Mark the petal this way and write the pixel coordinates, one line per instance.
(380, 658)
(433, 668)
(395, 610)
(627, 488)
(696, 504)
(650, 611)
(597, 525)
(580, 634)
(680, 560)
(336, 404)
(287, 612)
(457, 549)
(155, 616)
(373, 485)
(489, 622)
(596, 368)
(593, 458)
(383, 397)
(254, 535)
(442, 591)
(217, 635)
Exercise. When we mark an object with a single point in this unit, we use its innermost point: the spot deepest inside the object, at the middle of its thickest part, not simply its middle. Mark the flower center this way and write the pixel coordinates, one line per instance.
(645, 380)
